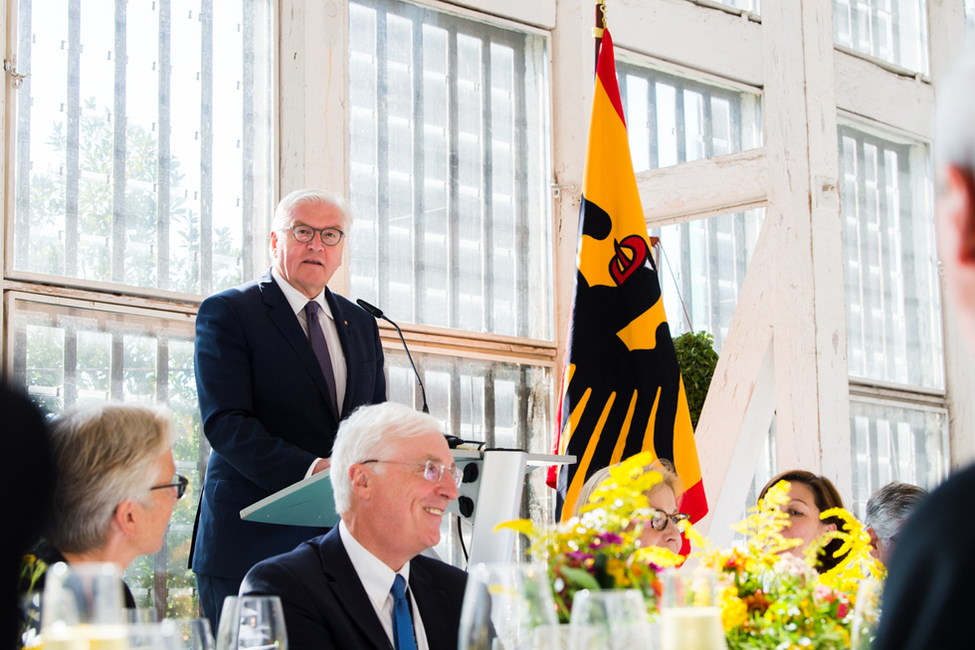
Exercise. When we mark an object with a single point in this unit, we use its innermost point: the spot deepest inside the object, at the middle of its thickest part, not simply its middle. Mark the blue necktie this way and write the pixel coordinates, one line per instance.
(317, 339)
(402, 621)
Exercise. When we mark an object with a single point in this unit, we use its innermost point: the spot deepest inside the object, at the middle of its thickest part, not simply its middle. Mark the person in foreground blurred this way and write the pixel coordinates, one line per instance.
(115, 486)
(365, 584)
(663, 528)
(809, 496)
(887, 510)
(29, 490)
(929, 591)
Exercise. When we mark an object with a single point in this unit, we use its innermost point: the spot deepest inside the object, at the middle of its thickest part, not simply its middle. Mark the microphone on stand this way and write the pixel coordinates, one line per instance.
(376, 312)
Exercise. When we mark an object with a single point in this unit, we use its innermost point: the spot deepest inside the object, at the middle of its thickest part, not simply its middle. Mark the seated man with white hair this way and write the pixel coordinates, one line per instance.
(115, 487)
(365, 584)
(887, 510)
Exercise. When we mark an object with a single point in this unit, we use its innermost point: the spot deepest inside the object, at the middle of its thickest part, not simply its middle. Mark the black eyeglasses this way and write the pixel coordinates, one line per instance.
(432, 470)
(304, 234)
(660, 519)
(180, 483)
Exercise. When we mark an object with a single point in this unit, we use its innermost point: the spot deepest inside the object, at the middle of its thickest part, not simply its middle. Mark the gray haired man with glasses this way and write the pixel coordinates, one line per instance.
(365, 584)
(279, 363)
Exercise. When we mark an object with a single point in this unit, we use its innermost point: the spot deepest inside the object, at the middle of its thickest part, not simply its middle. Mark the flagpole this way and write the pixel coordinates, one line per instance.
(597, 31)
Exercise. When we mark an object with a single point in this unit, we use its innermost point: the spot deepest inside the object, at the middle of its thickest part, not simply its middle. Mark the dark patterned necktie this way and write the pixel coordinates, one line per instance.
(317, 339)
(402, 621)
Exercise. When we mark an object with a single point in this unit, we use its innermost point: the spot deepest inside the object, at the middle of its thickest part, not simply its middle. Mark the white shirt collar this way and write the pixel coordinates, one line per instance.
(376, 578)
(298, 300)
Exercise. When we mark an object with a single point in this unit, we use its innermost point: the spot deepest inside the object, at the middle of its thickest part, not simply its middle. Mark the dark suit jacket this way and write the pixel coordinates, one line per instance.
(265, 411)
(325, 605)
(929, 593)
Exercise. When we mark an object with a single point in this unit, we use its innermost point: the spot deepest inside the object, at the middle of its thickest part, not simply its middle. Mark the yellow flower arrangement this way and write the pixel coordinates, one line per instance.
(776, 600)
(600, 548)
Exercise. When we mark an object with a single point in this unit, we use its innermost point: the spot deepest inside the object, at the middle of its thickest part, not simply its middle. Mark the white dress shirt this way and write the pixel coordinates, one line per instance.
(298, 300)
(377, 579)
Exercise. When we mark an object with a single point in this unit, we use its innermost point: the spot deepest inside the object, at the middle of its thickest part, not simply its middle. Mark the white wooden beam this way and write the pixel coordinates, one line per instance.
(540, 13)
(573, 67)
(718, 185)
(868, 90)
(812, 398)
(691, 35)
(313, 64)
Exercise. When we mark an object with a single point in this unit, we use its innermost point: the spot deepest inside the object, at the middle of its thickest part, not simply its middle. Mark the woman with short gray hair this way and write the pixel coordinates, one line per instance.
(115, 486)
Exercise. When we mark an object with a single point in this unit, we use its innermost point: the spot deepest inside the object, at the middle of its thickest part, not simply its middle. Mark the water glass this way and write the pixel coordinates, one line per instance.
(866, 614)
(507, 606)
(690, 617)
(610, 620)
(82, 607)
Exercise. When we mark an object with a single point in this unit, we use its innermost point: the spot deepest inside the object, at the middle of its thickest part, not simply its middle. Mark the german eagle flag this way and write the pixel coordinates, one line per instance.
(622, 392)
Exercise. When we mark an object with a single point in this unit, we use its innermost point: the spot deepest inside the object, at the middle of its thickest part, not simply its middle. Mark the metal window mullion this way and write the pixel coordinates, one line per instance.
(163, 201)
(652, 121)
(487, 191)
(707, 117)
(119, 145)
(909, 271)
(419, 173)
(22, 212)
(863, 245)
(886, 261)
(713, 274)
(453, 186)
(522, 391)
(454, 409)
(117, 374)
(70, 370)
(251, 90)
(160, 560)
(206, 147)
(382, 158)
(521, 216)
(681, 123)
(490, 404)
(72, 154)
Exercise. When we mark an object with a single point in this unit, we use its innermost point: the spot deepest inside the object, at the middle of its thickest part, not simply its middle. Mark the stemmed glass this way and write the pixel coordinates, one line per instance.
(192, 633)
(610, 620)
(507, 606)
(229, 624)
(261, 623)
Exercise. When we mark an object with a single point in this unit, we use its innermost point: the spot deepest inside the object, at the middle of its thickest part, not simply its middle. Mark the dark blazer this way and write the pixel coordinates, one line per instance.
(265, 410)
(929, 594)
(325, 605)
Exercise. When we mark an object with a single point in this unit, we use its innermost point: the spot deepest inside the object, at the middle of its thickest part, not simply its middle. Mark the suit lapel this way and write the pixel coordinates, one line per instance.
(280, 312)
(347, 337)
(348, 591)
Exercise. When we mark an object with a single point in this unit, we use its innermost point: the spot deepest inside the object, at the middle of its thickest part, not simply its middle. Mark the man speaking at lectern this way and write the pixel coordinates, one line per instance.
(365, 584)
(278, 363)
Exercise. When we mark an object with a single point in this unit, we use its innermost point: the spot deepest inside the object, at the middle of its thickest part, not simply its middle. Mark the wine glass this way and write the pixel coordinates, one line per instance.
(610, 620)
(261, 623)
(507, 606)
(229, 624)
(866, 614)
(690, 617)
(192, 633)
